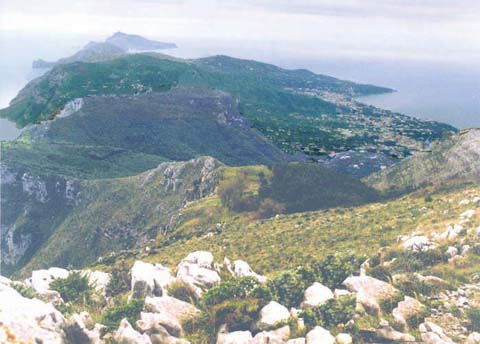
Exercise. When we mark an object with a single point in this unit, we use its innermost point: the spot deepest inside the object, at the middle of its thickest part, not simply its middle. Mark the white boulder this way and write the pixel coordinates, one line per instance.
(296, 341)
(149, 279)
(97, 279)
(237, 337)
(28, 320)
(242, 269)
(433, 334)
(452, 232)
(203, 259)
(319, 335)
(197, 269)
(316, 295)
(127, 335)
(418, 243)
(76, 329)
(407, 309)
(170, 313)
(390, 334)
(473, 338)
(467, 215)
(370, 291)
(272, 314)
(451, 252)
(278, 336)
(41, 279)
(344, 338)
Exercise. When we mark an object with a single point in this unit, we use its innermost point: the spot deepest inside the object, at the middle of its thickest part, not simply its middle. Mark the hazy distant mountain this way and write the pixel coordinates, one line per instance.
(136, 42)
(116, 45)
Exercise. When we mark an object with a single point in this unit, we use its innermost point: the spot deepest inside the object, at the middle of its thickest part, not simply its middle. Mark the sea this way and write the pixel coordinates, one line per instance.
(438, 90)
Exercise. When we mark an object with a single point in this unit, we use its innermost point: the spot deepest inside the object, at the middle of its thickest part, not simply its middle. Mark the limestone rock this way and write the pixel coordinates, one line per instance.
(390, 334)
(41, 279)
(149, 279)
(452, 232)
(76, 330)
(272, 314)
(473, 338)
(451, 252)
(29, 320)
(407, 309)
(296, 341)
(433, 334)
(197, 270)
(316, 295)
(370, 291)
(237, 337)
(344, 338)
(203, 259)
(278, 336)
(125, 334)
(242, 269)
(320, 336)
(418, 243)
(172, 313)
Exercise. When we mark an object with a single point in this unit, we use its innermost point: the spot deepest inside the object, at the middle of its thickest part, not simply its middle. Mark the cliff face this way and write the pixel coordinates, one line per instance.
(456, 158)
(50, 220)
(32, 205)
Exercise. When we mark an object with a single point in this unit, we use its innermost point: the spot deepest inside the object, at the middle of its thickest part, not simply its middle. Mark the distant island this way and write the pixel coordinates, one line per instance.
(114, 46)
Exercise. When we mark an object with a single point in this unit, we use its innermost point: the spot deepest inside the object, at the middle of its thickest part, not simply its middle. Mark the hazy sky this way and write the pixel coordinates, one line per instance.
(431, 29)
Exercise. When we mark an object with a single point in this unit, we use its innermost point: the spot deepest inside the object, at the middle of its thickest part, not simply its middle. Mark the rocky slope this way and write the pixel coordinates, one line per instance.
(454, 159)
(52, 219)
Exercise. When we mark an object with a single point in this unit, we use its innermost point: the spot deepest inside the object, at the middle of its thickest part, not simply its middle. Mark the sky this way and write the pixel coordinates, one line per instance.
(415, 29)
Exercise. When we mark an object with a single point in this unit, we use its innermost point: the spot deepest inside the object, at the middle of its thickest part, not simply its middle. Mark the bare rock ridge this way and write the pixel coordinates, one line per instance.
(456, 158)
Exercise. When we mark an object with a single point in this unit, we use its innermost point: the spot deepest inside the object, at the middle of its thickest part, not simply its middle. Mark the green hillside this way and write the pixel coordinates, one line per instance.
(298, 110)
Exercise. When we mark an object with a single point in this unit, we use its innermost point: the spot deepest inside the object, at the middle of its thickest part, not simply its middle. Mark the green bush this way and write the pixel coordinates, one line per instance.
(268, 208)
(334, 269)
(380, 272)
(411, 261)
(237, 288)
(25, 291)
(237, 314)
(117, 312)
(75, 288)
(331, 314)
(288, 288)
(412, 286)
(182, 291)
(120, 279)
(388, 303)
(473, 315)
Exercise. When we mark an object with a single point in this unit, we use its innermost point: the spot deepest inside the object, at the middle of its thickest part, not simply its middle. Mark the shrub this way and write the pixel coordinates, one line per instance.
(268, 208)
(25, 291)
(288, 288)
(473, 315)
(380, 272)
(412, 286)
(334, 312)
(182, 291)
(411, 261)
(117, 312)
(120, 279)
(237, 314)
(232, 195)
(237, 288)
(334, 269)
(388, 303)
(75, 288)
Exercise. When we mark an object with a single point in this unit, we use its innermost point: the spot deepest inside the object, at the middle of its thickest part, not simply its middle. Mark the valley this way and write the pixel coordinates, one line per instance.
(152, 199)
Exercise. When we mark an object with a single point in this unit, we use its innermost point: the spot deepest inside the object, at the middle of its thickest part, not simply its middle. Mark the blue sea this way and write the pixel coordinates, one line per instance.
(435, 90)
